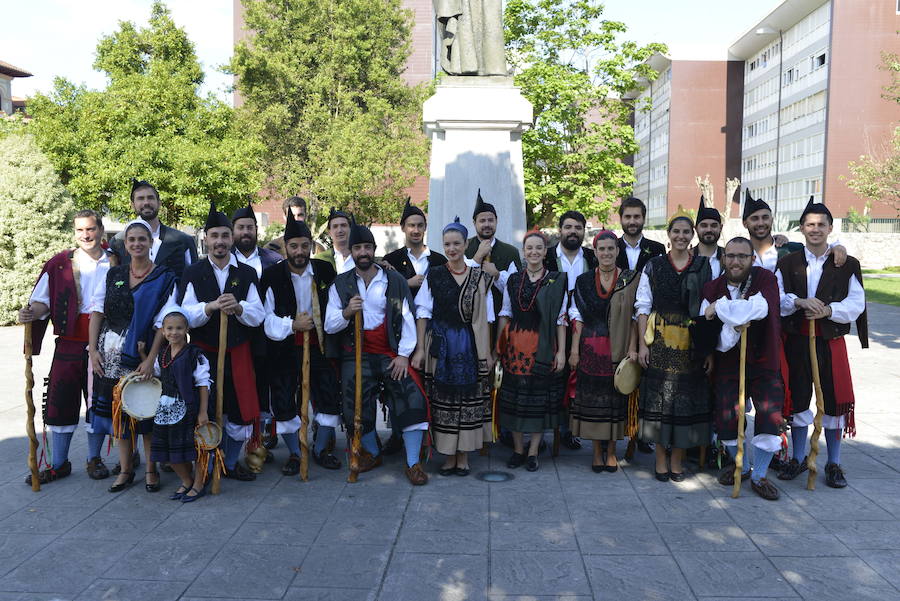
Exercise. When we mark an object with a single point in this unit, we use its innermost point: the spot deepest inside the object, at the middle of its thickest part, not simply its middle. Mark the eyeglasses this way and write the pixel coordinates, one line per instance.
(737, 256)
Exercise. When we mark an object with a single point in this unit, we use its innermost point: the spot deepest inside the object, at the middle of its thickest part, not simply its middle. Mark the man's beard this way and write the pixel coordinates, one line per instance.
(633, 229)
(572, 242)
(741, 277)
(220, 250)
(245, 243)
(709, 238)
(767, 233)
(152, 213)
(364, 262)
(298, 262)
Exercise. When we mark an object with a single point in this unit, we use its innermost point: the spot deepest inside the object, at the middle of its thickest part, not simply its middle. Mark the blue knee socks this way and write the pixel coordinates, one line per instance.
(798, 440)
(59, 442)
(732, 450)
(832, 439)
(369, 443)
(761, 461)
(324, 436)
(412, 440)
(292, 442)
(95, 444)
(232, 449)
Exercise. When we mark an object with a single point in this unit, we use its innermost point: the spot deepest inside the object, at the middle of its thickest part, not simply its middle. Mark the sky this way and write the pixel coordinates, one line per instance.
(53, 38)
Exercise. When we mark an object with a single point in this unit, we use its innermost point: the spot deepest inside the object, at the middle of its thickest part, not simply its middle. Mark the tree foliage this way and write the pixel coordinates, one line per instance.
(575, 70)
(321, 82)
(35, 213)
(150, 123)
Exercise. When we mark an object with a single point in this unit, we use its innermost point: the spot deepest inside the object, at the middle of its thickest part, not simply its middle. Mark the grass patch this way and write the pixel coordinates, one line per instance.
(893, 269)
(883, 290)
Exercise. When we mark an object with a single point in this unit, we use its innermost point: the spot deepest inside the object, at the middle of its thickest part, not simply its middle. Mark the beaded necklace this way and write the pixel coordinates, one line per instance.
(597, 283)
(540, 283)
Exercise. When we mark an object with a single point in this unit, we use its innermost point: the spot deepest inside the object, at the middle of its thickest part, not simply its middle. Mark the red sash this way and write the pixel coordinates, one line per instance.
(375, 342)
(313, 338)
(840, 376)
(242, 376)
(82, 329)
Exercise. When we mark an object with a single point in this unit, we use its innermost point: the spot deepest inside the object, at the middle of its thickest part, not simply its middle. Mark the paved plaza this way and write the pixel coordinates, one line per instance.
(563, 532)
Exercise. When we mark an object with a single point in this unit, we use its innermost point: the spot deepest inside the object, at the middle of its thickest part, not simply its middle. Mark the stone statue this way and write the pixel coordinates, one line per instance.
(471, 36)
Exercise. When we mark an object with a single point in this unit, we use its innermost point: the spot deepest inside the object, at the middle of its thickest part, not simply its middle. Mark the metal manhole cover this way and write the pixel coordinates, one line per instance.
(494, 476)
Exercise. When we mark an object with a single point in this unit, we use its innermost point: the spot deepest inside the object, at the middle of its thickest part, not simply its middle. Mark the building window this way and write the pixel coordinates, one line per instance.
(818, 61)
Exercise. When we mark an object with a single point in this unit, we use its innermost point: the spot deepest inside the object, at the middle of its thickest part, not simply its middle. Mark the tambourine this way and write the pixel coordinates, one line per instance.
(140, 398)
(208, 436)
(627, 376)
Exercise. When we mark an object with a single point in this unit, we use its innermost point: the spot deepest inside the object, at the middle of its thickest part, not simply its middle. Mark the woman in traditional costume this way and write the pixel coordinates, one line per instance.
(126, 310)
(184, 373)
(453, 309)
(603, 334)
(675, 408)
(531, 348)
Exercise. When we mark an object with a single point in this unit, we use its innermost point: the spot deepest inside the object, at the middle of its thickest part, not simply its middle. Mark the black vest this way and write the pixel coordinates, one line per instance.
(277, 278)
(206, 289)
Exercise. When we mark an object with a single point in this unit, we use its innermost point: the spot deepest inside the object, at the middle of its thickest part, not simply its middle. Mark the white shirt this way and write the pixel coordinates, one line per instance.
(279, 328)
(425, 303)
(643, 300)
(735, 311)
(420, 265)
(254, 312)
(253, 260)
(633, 253)
(343, 264)
(374, 302)
(506, 309)
(157, 243)
(572, 269)
(90, 272)
(844, 311)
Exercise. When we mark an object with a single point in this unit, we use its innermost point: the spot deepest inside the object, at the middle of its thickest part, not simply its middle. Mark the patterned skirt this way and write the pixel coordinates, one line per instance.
(598, 411)
(527, 402)
(174, 443)
(675, 407)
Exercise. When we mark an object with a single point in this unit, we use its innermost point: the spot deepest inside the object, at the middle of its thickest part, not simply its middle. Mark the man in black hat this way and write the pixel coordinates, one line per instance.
(339, 231)
(497, 259)
(221, 284)
(171, 248)
(389, 338)
(813, 287)
(296, 293)
(709, 230)
(634, 249)
(414, 259)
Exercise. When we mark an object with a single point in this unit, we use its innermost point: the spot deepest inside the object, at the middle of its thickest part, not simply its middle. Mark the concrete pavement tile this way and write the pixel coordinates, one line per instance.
(886, 563)
(458, 513)
(132, 590)
(754, 514)
(859, 535)
(18, 547)
(538, 573)
(721, 573)
(825, 502)
(360, 530)
(533, 536)
(180, 560)
(45, 520)
(636, 577)
(243, 571)
(704, 537)
(336, 566)
(835, 579)
(357, 504)
(298, 532)
(413, 540)
(34, 597)
(639, 541)
(446, 578)
(699, 508)
(285, 508)
(194, 522)
(858, 464)
(73, 568)
(112, 529)
(540, 598)
(529, 507)
(135, 502)
(328, 594)
(801, 545)
(644, 481)
(883, 492)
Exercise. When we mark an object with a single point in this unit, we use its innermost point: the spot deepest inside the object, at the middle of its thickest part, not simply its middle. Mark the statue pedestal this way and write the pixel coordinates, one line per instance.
(475, 125)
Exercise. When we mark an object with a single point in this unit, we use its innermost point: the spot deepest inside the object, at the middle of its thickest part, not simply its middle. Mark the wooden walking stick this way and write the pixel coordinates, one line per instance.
(220, 389)
(29, 422)
(820, 409)
(304, 411)
(742, 391)
(357, 408)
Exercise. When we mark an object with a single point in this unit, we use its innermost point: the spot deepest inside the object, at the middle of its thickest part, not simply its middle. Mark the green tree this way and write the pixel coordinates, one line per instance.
(35, 210)
(575, 70)
(321, 81)
(150, 123)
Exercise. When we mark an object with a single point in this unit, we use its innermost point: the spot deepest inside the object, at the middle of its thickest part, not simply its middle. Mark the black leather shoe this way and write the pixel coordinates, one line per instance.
(240, 473)
(571, 442)
(516, 460)
(532, 463)
(834, 476)
(676, 476)
(645, 447)
(611, 468)
(462, 471)
(598, 469)
(154, 486)
(393, 446)
(123, 485)
(326, 460)
(662, 476)
(291, 466)
(792, 469)
(447, 471)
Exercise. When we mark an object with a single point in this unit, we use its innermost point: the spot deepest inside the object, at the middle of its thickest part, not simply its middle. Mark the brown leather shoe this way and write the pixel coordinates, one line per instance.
(765, 489)
(416, 475)
(368, 462)
(96, 469)
(726, 476)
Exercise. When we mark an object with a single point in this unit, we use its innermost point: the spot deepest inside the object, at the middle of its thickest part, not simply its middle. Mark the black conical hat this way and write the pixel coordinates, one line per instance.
(216, 218)
(244, 213)
(482, 207)
(813, 208)
(751, 206)
(295, 229)
(409, 210)
(705, 212)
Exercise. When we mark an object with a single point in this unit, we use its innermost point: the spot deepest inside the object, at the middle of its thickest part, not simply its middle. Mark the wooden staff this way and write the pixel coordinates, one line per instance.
(220, 389)
(304, 411)
(820, 409)
(29, 422)
(357, 409)
(742, 391)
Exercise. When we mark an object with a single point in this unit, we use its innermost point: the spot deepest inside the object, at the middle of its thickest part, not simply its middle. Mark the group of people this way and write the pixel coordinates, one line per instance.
(479, 343)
